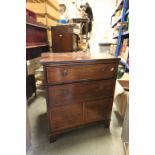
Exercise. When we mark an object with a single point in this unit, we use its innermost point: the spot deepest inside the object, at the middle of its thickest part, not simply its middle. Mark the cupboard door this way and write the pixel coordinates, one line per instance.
(57, 41)
(67, 40)
(98, 110)
(64, 117)
(62, 39)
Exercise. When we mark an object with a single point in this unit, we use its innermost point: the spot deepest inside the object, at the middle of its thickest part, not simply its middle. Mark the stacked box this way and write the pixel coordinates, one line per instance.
(124, 50)
(113, 49)
(116, 2)
(126, 42)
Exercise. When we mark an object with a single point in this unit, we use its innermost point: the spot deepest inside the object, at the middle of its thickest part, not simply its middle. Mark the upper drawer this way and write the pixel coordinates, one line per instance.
(80, 72)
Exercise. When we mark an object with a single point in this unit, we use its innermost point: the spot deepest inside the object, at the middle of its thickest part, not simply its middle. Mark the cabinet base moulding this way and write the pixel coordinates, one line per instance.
(54, 136)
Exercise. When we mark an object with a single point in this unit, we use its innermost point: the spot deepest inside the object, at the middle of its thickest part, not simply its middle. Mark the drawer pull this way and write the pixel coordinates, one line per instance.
(65, 72)
(60, 35)
(112, 69)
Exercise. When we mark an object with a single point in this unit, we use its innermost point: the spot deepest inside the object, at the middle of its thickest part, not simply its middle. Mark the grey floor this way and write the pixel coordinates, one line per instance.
(94, 140)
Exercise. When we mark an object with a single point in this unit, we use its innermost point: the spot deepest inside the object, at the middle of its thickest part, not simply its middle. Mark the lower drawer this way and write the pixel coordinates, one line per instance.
(80, 92)
(65, 117)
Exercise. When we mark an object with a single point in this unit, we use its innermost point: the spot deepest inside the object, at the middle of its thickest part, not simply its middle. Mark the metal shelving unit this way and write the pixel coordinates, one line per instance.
(123, 4)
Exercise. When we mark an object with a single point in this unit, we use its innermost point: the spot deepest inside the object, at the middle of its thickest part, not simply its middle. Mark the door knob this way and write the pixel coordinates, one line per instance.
(60, 35)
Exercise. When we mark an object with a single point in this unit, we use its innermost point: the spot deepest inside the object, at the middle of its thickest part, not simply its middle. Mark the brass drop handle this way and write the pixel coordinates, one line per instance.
(65, 73)
(112, 69)
(60, 35)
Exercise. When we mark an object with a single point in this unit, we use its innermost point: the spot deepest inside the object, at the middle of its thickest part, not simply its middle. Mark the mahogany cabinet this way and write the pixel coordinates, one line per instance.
(79, 89)
(62, 38)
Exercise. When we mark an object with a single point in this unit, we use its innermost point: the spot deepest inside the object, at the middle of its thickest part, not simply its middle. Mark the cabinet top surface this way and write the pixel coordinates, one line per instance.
(77, 57)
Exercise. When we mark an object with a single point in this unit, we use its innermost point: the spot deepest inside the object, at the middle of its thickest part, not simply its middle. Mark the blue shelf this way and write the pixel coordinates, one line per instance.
(118, 7)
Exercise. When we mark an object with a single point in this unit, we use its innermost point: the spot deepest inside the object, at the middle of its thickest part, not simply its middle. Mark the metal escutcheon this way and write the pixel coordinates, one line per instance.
(65, 73)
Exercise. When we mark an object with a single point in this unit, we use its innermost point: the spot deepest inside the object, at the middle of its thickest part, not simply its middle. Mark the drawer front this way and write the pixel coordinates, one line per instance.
(98, 110)
(80, 72)
(65, 117)
(79, 92)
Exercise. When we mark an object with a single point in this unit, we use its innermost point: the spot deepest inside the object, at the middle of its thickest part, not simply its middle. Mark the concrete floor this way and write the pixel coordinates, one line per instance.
(94, 140)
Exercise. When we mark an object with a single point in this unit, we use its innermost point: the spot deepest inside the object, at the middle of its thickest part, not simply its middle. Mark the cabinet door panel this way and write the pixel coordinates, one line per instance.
(98, 110)
(56, 41)
(65, 116)
(62, 39)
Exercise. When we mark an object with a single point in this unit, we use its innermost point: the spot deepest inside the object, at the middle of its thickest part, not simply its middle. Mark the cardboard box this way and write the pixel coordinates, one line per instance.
(119, 13)
(121, 98)
(126, 42)
(113, 49)
(127, 151)
(124, 53)
(121, 102)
